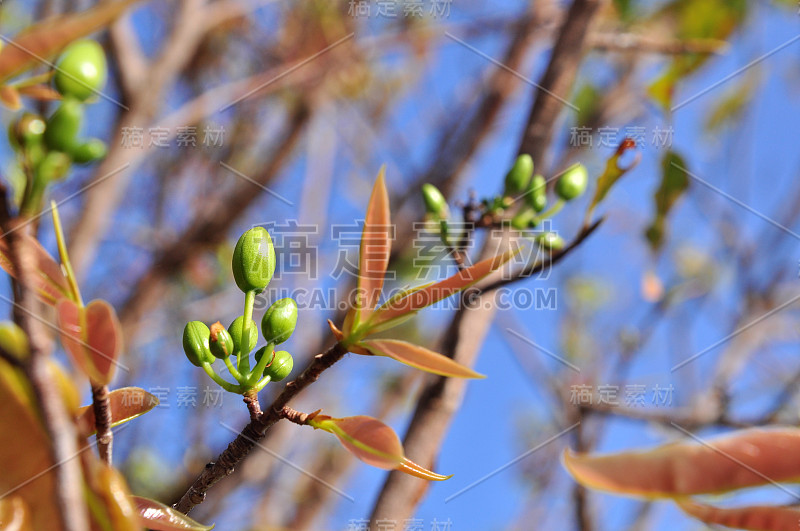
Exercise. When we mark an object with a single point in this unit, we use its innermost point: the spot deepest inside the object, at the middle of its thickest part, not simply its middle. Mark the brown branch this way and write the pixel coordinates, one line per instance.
(557, 81)
(254, 431)
(102, 422)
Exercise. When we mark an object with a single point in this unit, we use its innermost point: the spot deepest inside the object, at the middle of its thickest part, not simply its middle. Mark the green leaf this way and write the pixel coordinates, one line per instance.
(674, 182)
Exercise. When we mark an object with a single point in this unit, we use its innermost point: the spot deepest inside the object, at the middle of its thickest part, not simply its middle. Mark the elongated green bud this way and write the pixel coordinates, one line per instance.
(235, 331)
(90, 151)
(551, 241)
(63, 126)
(220, 341)
(537, 193)
(573, 183)
(195, 343)
(281, 365)
(435, 203)
(13, 340)
(279, 321)
(519, 175)
(253, 261)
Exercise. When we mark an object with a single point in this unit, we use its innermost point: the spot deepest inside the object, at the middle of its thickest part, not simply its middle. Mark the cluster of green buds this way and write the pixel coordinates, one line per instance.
(570, 185)
(253, 265)
(48, 148)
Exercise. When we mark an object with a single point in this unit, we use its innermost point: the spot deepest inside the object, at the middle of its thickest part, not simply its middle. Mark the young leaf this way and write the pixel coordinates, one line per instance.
(674, 182)
(756, 517)
(373, 442)
(14, 514)
(92, 337)
(418, 357)
(376, 244)
(44, 40)
(612, 174)
(417, 299)
(159, 517)
(745, 458)
(126, 404)
(9, 97)
(49, 282)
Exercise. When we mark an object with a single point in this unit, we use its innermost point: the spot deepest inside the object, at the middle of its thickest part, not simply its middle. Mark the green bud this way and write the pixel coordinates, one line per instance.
(573, 182)
(551, 241)
(519, 175)
(220, 341)
(195, 343)
(279, 321)
(523, 219)
(435, 203)
(90, 151)
(253, 260)
(26, 131)
(235, 330)
(54, 166)
(537, 193)
(81, 70)
(63, 126)
(280, 367)
(13, 340)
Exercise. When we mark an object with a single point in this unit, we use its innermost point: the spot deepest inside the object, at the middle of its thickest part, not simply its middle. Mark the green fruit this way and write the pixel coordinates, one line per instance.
(26, 131)
(220, 341)
(537, 193)
(279, 321)
(551, 241)
(435, 203)
(519, 175)
(13, 340)
(195, 343)
(280, 367)
(90, 151)
(235, 330)
(64, 125)
(81, 70)
(573, 182)
(253, 260)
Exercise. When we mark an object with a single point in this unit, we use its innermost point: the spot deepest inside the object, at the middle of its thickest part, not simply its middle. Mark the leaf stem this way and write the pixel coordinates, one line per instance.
(243, 358)
(231, 388)
(62, 252)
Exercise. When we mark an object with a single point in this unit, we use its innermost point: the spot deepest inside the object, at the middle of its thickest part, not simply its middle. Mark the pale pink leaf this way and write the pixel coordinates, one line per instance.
(159, 517)
(126, 403)
(91, 336)
(756, 517)
(376, 245)
(745, 458)
(418, 357)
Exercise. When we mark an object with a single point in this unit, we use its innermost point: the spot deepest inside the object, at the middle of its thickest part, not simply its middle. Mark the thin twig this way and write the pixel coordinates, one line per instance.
(255, 430)
(102, 422)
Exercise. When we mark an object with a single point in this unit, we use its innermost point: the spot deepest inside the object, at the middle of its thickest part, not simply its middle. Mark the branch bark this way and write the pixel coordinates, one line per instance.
(441, 396)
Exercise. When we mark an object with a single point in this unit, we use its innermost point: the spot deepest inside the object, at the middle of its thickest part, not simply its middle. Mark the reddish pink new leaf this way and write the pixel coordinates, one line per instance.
(756, 517)
(373, 442)
(376, 244)
(418, 357)
(744, 458)
(126, 403)
(159, 517)
(44, 40)
(415, 300)
(50, 284)
(91, 336)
